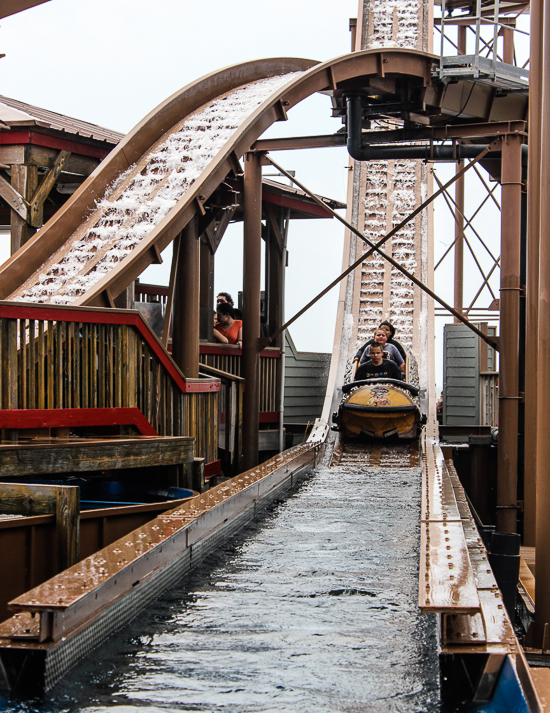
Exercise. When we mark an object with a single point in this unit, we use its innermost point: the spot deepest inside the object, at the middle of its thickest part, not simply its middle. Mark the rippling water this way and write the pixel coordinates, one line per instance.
(313, 608)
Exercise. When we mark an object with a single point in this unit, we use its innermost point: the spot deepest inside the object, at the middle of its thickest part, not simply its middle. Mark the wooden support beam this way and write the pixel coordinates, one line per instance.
(206, 292)
(207, 237)
(24, 179)
(222, 226)
(171, 289)
(61, 500)
(252, 260)
(43, 190)
(274, 225)
(13, 198)
(157, 260)
(274, 273)
(216, 228)
(43, 157)
(185, 333)
(67, 523)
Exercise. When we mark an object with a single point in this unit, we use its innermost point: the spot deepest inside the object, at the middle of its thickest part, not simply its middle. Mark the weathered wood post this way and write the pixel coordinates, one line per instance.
(63, 501)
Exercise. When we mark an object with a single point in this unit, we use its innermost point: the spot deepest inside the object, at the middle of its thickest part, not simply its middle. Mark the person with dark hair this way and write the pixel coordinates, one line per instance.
(224, 297)
(390, 352)
(227, 329)
(390, 331)
(377, 367)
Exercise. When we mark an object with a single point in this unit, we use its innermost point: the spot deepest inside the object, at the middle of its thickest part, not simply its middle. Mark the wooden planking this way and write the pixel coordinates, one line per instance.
(59, 365)
(446, 580)
(41, 354)
(23, 364)
(499, 635)
(230, 363)
(438, 498)
(10, 365)
(75, 364)
(90, 455)
(23, 499)
(50, 367)
(483, 574)
(498, 628)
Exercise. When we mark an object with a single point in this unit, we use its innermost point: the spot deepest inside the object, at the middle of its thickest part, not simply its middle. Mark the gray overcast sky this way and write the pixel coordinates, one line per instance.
(112, 61)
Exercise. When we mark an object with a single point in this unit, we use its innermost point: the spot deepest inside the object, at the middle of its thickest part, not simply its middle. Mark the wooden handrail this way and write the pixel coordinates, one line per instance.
(97, 315)
(219, 374)
(75, 418)
(230, 404)
(79, 358)
(216, 348)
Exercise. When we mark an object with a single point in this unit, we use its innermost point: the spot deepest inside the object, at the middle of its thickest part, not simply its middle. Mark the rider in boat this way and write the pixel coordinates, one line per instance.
(377, 367)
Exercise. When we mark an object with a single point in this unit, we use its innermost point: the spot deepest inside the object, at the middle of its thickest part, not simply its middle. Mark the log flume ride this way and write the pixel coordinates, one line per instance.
(119, 221)
(163, 172)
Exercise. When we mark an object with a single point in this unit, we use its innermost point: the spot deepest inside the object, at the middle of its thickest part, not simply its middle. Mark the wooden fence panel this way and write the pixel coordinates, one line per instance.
(69, 363)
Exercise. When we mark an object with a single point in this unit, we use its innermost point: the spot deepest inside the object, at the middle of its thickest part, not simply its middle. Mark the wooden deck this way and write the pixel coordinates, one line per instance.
(85, 455)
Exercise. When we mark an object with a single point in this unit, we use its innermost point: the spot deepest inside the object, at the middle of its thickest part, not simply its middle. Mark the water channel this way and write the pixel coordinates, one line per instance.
(313, 608)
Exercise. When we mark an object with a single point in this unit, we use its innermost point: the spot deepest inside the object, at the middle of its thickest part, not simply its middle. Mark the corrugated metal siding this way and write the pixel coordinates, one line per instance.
(306, 376)
(460, 375)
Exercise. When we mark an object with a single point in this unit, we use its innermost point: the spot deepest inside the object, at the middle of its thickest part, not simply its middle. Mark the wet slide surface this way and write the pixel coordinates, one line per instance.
(143, 195)
(312, 608)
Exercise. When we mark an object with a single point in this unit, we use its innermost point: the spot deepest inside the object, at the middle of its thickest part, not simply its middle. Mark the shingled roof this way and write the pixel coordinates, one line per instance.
(16, 113)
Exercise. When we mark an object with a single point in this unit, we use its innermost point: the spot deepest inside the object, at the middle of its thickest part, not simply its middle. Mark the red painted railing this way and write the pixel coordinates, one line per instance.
(89, 358)
(75, 418)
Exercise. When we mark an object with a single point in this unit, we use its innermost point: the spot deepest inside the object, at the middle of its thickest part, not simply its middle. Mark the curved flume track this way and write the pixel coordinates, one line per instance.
(142, 196)
(160, 175)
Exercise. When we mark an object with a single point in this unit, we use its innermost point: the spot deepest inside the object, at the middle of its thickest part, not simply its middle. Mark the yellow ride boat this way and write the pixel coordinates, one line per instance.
(379, 408)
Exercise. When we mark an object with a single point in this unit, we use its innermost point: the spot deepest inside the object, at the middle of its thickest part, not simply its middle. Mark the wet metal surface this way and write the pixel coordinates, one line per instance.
(447, 582)
(313, 608)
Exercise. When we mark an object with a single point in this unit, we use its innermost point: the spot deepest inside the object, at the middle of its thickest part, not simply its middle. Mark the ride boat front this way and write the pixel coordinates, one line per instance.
(379, 408)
